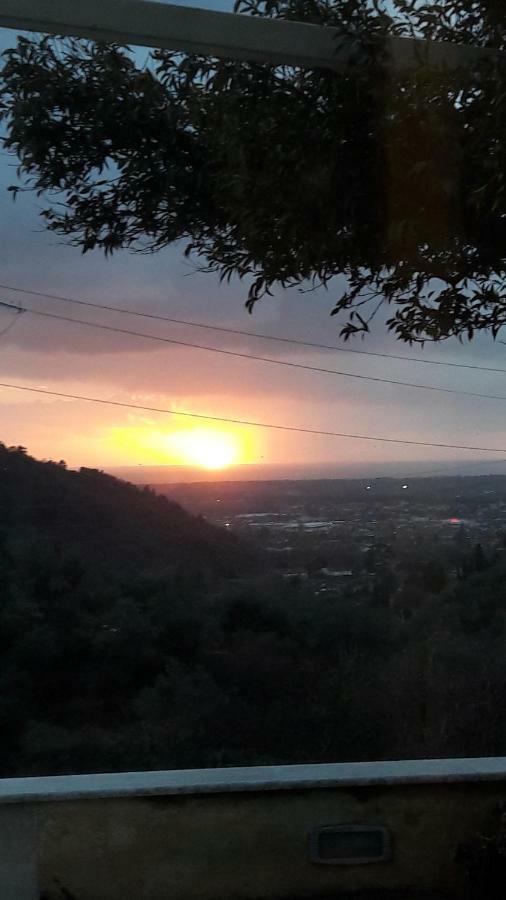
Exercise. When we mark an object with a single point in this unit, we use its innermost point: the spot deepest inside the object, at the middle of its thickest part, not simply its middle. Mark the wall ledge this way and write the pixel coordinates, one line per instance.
(250, 778)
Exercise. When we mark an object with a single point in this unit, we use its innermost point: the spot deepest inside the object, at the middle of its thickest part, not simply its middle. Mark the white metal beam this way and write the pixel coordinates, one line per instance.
(151, 24)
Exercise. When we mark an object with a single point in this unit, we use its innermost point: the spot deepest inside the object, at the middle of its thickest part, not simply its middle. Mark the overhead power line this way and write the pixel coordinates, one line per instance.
(255, 358)
(254, 334)
(10, 325)
(248, 422)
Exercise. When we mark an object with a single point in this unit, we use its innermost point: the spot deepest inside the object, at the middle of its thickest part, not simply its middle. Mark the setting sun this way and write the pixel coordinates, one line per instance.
(204, 447)
(195, 446)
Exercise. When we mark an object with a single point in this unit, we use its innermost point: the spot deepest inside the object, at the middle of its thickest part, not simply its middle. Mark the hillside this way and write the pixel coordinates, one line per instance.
(107, 523)
(134, 635)
(106, 592)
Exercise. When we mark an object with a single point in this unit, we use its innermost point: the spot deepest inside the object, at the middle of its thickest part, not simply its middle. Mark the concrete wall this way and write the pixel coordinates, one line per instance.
(217, 835)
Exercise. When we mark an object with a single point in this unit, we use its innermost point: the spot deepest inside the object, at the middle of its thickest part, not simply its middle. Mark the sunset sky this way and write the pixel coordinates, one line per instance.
(73, 359)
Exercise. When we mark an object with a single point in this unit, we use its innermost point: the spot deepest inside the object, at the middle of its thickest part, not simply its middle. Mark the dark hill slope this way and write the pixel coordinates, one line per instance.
(108, 523)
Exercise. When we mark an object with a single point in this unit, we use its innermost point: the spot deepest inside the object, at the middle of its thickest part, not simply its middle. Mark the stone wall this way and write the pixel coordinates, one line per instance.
(241, 834)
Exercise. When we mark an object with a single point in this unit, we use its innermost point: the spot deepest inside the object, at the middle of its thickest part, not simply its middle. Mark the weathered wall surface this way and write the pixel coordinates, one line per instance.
(19, 851)
(255, 844)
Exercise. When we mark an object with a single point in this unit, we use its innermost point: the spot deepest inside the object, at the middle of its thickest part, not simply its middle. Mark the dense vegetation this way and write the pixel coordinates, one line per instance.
(390, 178)
(133, 635)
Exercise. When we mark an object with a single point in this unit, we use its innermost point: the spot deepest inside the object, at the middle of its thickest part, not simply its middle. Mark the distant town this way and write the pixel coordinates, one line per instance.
(361, 537)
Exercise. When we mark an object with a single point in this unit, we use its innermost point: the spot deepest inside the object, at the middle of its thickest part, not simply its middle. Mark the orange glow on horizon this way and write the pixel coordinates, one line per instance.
(211, 447)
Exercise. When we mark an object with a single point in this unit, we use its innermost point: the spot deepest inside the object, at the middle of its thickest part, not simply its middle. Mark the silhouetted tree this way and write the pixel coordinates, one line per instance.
(391, 179)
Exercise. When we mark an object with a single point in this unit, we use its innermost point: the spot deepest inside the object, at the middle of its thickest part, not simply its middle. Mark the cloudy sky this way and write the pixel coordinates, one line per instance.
(60, 356)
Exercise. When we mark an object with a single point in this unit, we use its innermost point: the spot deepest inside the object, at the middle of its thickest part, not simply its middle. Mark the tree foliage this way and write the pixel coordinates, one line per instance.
(393, 180)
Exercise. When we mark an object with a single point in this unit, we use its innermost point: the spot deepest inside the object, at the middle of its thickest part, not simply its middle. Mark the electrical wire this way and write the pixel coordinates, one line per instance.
(231, 421)
(255, 358)
(10, 324)
(238, 332)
